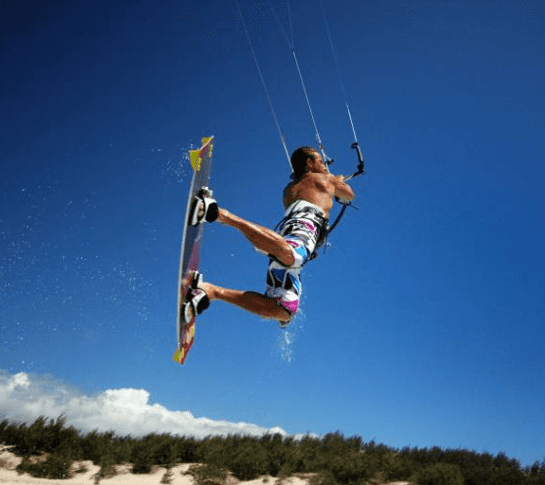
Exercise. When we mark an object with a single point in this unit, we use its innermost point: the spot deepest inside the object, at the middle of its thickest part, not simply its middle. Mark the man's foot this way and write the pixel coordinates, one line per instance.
(204, 208)
(197, 303)
(195, 281)
(209, 289)
(196, 298)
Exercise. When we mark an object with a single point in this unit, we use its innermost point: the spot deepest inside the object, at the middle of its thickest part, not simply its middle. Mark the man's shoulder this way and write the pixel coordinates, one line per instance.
(322, 177)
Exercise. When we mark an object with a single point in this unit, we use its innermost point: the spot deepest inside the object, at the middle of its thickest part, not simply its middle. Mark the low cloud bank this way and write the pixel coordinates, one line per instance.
(24, 397)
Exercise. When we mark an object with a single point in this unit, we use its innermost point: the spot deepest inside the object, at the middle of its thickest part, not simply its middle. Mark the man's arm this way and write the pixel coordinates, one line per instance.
(343, 191)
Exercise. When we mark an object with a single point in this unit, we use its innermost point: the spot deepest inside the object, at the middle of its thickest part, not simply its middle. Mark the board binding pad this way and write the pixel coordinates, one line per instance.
(201, 160)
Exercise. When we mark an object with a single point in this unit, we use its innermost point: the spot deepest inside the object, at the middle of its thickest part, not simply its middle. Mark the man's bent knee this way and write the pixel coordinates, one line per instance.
(287, 258)
(284, 322)
(287, 316)
(284, 255)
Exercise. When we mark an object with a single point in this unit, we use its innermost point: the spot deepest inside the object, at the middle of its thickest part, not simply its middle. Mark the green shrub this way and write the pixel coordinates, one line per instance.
(142, 459)
(121, 448)
(506, 476)
(107, 467)
(96, 445)
(208, 474)
(248, 461)
(186, 450)
(336, 444)
(536, 473)
(310, 456)
(163, 450)
(323, 478)
(399, 468)
(42, 436)
(439, 474)
(280, 452)
(168, 476)
(350, 469)
(56, 465)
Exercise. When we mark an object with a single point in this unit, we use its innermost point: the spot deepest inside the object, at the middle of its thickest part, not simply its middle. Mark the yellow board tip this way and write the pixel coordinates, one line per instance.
(177, 357)
(195, 159)
(196, 156)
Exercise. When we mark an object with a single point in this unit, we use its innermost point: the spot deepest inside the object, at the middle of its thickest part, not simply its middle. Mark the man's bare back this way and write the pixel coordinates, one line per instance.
(319, 189)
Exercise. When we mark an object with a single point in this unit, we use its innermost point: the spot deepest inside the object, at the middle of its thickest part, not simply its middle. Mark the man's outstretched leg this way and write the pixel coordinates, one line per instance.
(263, 238)
(248, 300)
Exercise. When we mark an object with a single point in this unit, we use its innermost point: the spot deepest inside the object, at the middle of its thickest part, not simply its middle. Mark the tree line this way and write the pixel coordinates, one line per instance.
(333, 459)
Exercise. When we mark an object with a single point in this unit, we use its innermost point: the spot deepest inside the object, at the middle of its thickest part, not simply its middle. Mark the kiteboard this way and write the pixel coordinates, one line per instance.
(201, 160)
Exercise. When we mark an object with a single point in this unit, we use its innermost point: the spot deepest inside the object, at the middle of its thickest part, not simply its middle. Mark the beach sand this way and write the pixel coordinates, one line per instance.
(123, 476)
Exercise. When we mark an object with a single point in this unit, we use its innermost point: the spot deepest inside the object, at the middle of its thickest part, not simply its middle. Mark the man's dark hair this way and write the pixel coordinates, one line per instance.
(299, 160)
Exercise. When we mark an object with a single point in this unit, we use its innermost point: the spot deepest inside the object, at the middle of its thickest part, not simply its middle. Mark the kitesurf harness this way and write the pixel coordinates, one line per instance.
(327, 160)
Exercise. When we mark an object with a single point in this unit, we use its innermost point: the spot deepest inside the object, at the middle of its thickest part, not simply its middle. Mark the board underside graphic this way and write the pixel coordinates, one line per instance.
(201, 160)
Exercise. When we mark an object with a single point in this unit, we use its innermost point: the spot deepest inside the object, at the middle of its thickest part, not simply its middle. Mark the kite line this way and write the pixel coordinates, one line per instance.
(271, 107)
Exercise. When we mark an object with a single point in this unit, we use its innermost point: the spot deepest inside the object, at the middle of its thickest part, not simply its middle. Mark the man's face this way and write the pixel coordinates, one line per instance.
(316, 165)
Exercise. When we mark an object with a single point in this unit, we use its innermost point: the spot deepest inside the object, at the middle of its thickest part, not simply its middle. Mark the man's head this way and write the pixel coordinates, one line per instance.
(299, 160)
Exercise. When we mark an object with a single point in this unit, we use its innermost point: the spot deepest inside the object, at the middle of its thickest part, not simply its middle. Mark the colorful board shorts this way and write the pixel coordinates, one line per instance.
(302, 228)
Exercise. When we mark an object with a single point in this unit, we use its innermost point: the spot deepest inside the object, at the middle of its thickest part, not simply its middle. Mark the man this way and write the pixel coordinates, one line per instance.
(308, 199)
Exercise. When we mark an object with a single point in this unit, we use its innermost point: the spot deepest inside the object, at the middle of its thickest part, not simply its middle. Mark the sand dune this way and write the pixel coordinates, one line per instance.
(123, 476)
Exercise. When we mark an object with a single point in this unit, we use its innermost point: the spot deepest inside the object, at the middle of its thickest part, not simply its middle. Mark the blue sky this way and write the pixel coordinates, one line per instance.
(422, 324)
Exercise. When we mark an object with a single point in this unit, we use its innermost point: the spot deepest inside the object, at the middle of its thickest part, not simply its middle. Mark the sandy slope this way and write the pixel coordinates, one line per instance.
(8, 475)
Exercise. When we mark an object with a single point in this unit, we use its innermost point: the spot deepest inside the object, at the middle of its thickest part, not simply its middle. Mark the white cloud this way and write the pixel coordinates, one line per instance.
(25, 397)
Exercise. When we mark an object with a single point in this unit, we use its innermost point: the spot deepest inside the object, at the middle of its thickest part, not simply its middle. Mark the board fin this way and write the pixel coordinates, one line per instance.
(196, 156)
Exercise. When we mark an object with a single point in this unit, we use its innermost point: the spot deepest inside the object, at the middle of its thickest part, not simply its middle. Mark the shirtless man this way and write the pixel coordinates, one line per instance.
(307, 200)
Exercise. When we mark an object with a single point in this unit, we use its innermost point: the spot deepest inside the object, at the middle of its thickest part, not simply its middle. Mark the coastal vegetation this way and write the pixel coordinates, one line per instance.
(49, 448)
